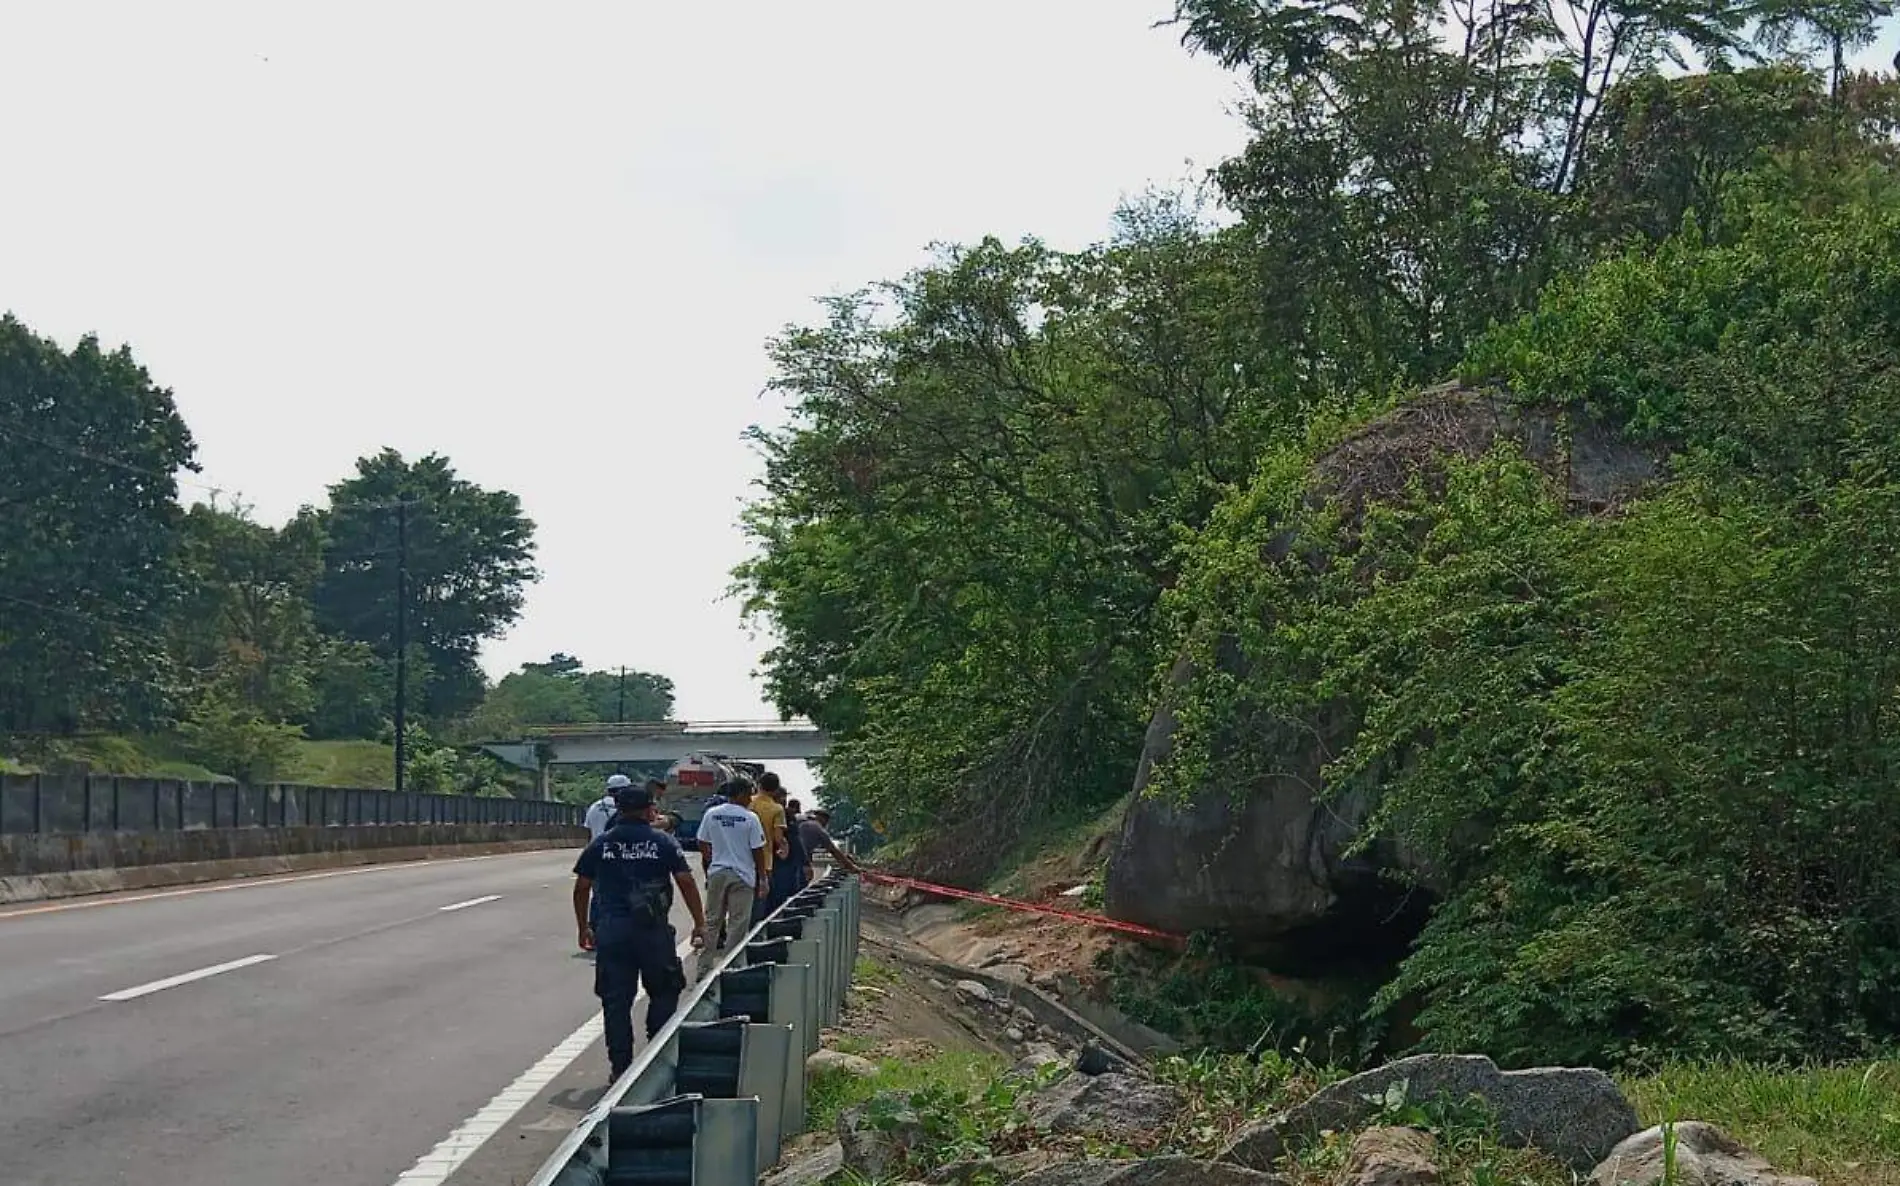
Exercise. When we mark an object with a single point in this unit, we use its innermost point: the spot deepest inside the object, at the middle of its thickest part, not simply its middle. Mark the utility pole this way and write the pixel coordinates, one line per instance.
(402, 633)
(620, 714)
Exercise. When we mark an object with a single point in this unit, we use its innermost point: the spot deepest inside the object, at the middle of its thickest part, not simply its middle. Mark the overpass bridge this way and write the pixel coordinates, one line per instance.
(660, 741)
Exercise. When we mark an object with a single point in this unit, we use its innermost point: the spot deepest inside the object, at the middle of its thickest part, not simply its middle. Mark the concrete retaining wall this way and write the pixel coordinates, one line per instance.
(34, 867)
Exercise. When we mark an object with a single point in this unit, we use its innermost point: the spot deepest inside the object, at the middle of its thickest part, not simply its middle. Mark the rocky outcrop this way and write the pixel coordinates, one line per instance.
(1265, 858)
(1704, 1155)
(1576, 1115)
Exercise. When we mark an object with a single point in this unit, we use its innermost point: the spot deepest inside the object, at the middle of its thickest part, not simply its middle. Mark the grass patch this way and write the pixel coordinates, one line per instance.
(366, 765)
(869, 971)
(1834, 1124)
(361, 764)
(109, 754)
(829, 1093)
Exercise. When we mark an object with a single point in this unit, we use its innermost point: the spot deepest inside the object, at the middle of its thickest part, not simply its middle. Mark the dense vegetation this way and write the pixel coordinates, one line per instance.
(225, 643)
(1642, 743)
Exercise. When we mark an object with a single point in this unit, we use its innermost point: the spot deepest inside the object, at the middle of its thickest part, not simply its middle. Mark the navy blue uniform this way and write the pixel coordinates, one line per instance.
(632, 867)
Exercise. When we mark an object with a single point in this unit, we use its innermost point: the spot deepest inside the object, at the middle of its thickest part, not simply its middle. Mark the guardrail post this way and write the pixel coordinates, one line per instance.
(769, 1070)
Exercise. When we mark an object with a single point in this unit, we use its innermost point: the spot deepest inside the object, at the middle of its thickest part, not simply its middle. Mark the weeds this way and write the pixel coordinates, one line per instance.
(1835, 1124)
(1212, 1001)
(829, 1093)
(1225, 1091)
(869, 971)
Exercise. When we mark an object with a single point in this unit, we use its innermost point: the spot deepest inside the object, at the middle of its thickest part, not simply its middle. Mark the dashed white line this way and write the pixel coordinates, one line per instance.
(126, 994)
(470, 902)
(434, 1167)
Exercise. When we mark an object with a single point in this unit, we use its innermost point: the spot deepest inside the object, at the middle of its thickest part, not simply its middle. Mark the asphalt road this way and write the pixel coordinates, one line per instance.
(335, 1027)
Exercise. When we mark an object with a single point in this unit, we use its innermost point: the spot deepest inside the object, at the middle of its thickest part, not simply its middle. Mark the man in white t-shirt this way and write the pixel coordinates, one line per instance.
(600, 816)
(732, 848)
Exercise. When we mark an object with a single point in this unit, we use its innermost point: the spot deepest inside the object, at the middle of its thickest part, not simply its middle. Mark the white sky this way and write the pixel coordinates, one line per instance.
(549, 240)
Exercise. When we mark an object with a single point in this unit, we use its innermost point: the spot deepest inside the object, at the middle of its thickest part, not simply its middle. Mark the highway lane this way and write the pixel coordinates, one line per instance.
(380, 1022)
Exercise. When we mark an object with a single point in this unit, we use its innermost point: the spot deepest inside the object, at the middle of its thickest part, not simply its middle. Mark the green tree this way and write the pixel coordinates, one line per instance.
(469, 556)
(968, 522)
(561, 692)
(245, 623)
(89, 524)
(352, 690)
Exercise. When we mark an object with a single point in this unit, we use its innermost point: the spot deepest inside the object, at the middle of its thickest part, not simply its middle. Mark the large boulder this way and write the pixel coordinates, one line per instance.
(1575, 1114)
(1704, 1155)
(1264, 858)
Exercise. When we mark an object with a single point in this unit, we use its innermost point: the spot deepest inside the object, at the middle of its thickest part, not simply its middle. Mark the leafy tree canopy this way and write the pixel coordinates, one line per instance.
(469, 556)
(89, 528)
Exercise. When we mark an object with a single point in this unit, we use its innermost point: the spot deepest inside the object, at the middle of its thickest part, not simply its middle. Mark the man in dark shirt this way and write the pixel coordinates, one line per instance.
(631, 871)
(814, 832)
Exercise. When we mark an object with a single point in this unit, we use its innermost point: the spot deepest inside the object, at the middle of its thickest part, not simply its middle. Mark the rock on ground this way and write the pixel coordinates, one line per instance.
(871, 1150)
(975, 991)
(810, 1168)
(1576, 1115)
(1705, 1156)
(1038, 1056)
(1156, 1171)
(837, 1060)
(1102, 1104)
(992, 1169)
(1392, 1157)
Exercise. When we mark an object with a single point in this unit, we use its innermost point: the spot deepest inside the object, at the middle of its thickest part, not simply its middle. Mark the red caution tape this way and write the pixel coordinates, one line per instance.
(1094, 920)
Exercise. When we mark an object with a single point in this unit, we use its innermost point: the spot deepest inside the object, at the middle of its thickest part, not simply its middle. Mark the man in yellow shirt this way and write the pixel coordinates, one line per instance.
(771, 815)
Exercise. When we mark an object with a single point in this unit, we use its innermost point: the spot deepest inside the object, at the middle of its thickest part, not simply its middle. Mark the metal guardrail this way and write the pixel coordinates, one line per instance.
(714, 1096)
(34, 803)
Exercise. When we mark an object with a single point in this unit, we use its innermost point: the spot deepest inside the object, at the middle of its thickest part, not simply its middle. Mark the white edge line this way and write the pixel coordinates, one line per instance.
(126, 994)
(470, 902)
(435, 1166)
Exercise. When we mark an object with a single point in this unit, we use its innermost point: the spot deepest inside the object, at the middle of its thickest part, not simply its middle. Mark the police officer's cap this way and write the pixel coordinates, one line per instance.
(633, 799)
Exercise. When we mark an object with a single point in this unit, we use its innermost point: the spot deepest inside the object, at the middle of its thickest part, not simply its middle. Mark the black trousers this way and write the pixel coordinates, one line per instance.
(623, 964)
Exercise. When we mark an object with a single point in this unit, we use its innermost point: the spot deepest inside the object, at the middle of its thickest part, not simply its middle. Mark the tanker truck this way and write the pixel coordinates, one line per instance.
(692, 785)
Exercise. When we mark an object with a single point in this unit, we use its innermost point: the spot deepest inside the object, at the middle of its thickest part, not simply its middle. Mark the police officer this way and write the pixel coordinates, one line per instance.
(632, 870)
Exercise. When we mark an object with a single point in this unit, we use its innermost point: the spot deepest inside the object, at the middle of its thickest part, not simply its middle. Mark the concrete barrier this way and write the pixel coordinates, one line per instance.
(35, 867)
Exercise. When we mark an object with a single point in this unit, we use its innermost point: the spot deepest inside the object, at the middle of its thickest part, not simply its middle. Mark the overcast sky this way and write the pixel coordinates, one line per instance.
(549, 240)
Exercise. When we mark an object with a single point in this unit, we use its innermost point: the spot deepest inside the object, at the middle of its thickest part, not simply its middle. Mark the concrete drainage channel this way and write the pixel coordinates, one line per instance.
(711, 1100)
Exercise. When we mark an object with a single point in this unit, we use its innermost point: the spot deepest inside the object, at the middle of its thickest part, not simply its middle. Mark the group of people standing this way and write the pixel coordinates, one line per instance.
(756, 849)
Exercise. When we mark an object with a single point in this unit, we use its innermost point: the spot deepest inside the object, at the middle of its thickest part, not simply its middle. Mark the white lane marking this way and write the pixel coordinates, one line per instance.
(470, 902)
(126, 994)
(434, 1167)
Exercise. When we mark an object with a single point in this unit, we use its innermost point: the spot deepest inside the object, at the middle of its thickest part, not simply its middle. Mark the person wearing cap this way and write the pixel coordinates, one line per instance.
(623, 905)
(601, 813)
(815, 830)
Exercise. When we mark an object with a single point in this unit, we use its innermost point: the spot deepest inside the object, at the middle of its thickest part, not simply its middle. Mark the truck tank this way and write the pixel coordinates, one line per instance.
(692, 785)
